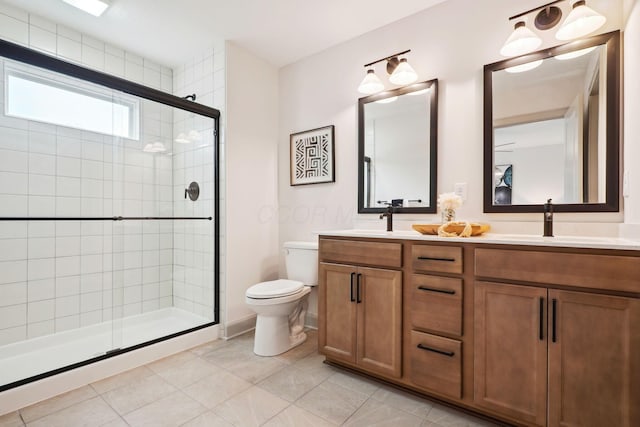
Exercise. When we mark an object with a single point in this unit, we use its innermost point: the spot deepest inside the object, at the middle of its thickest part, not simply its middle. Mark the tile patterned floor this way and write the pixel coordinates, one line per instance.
(224, 384)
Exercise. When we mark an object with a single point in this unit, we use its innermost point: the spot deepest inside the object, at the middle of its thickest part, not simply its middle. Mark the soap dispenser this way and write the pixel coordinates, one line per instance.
(548, 219)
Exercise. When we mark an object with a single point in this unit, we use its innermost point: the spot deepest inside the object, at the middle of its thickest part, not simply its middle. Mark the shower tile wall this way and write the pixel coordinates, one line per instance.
(58, 276)
(193, 241)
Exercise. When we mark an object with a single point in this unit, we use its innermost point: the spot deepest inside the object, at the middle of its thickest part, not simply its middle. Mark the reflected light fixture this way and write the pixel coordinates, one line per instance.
(524, 67)
(575, 53)
(93, 7)
(387, 100)
(182, 138)
(155, 147)
(582, 20)
(401, 73)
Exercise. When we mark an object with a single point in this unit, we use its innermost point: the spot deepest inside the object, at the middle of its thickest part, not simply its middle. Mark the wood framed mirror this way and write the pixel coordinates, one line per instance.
(552, 129)
(397, 149)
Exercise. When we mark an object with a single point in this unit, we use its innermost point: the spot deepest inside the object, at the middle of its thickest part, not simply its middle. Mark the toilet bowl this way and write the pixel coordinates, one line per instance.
(281, 305)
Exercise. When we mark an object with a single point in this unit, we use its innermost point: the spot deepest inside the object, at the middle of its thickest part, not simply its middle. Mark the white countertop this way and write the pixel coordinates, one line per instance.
(495, 238)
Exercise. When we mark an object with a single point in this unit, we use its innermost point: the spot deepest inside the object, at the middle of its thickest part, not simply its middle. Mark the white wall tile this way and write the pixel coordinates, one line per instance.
(67, 323)
(14, 30)
(92, 57)
(42, 164)
(90, 264)
(11, 335)
(43, 40)
(67, 306)
(43, 247)
(13, 315)
(38, 290)
(66, 286)
(13, 293)
(42, 185)
(68, 206)
(40, 311)
(69, 49)
(42, 206)
(13, 183)
(14, 139)
(91, 317)
(43, 268)
(67, 266)
(114, 65)
(134, 72)
(91, 301)
(40, 22)
(35, 330)
(13, 249)
(14, 161)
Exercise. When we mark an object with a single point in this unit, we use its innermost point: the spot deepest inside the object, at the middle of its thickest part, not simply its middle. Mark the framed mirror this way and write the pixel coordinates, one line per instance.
(551, 129)
(397, 149)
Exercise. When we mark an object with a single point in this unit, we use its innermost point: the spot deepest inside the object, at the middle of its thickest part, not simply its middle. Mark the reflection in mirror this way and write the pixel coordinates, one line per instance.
(397, 149)
(551, 131)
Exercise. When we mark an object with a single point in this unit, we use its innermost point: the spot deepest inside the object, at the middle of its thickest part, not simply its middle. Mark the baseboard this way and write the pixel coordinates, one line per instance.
(239, 327)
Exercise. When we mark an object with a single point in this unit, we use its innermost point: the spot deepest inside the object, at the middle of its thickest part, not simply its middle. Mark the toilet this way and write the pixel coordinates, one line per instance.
(281, 305)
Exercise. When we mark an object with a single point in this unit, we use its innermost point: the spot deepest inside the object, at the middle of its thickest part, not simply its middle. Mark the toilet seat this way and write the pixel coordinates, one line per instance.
(274, 289)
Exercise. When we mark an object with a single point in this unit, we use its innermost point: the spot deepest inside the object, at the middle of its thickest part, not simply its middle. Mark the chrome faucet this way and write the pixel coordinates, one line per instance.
(389, 215)
(548, 219)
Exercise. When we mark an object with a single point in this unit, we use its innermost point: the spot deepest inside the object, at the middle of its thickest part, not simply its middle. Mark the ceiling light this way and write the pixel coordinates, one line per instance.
(404, 74)
(524, 67)
(94, 7)
(582, 20)
(371, 83)
(521, 41)
(575, 53)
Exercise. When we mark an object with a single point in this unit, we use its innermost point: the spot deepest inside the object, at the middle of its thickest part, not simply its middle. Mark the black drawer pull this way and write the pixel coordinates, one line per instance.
(353, 299)
(554, 303)
(442, 291)
(541, 326)
(430, 258)
(435, 350)
(358, 286)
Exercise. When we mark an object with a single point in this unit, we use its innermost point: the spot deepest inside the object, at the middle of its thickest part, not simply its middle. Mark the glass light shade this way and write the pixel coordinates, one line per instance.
(575, 53)
(370, 84)
(403, 74)
(581, 21)
(524, 67)
(521, 41)
(94, 7)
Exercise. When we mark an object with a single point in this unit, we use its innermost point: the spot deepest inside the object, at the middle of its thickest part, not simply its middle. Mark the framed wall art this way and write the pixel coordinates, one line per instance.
(312, 156)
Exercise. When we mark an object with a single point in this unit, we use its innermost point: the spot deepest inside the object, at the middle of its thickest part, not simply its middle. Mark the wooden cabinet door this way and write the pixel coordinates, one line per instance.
(380, 320)
(510, 351)
(337, 311)
(594, 361)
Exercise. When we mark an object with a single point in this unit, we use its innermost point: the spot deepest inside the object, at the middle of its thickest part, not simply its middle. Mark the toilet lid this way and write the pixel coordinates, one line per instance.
(275, 288)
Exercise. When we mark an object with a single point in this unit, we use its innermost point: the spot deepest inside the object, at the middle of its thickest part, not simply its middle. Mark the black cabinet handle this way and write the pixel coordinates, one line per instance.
(351, 293)
(428, 258)
(554, 303)
(541, 326)
(442, 291)
(358, 296)
(435, 350)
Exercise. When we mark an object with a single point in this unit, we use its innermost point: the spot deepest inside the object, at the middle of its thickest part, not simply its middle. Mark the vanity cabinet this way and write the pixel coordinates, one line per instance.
(362, 307)
(555, 357)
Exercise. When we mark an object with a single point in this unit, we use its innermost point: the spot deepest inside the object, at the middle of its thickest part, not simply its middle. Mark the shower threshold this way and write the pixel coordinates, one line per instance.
(39, 355)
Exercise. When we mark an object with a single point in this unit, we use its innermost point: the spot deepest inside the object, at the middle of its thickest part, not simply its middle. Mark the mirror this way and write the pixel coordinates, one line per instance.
(551, 129)
(397, 153)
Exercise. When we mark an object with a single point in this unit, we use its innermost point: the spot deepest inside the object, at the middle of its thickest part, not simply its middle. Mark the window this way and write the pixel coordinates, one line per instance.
(43, 99)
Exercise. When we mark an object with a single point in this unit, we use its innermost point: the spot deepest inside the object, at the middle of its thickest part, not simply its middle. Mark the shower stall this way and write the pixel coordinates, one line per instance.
(109, 236)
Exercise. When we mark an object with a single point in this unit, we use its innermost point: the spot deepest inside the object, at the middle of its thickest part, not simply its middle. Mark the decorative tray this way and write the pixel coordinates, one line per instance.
(454, 227)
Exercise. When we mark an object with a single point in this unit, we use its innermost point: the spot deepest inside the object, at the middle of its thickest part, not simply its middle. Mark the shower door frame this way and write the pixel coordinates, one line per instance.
(31, 57)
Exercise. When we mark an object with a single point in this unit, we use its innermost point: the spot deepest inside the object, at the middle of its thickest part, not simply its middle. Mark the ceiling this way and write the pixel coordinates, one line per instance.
(279, 31)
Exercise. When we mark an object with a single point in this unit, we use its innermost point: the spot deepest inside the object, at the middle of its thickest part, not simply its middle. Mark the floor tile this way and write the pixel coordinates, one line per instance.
(91, 413)
(208, 419)
(188, 373)
(404, 401)
(306, 348)
(203, 349)
(135, 395)
(294, 416)
(247, 365)
(215, 389)
(39, 410)
(122, 379)
(252, 407)
(354, 382)
(448, 417)
(170, 411)
(11, 420)
(376, 414)
(292, 383)
(332, 402)
(171, 361)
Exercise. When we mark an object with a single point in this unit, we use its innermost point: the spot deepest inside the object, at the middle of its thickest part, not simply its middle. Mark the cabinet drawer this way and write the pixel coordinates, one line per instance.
(436, 304)
(607, 272)
(381, 254)
(436, 363)
(442, 259)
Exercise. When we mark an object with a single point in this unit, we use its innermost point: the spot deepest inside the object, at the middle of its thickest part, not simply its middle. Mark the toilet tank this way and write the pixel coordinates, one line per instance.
(301, 261)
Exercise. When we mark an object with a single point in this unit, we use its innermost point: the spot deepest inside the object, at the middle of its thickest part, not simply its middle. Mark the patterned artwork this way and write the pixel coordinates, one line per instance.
(312, 156)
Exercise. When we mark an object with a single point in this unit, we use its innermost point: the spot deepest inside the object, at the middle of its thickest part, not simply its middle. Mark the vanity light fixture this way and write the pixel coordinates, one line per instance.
(93, 7)
(401, 73)
(581, 21)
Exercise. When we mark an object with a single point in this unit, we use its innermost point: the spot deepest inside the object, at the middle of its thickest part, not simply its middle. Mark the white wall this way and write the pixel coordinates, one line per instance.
(631, 124)
(251, 178)
(451, 41)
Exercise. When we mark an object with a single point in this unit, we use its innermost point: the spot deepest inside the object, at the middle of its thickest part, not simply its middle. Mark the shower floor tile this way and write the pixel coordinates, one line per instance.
(223, 384)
